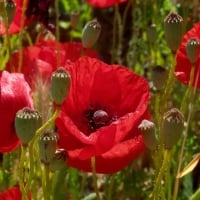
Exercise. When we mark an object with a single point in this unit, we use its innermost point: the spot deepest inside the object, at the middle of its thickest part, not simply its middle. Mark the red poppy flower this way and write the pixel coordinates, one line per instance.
(104, 3)
(14, 95)
(183, 65)
(13, 193)
(41, 59)
(101, 114)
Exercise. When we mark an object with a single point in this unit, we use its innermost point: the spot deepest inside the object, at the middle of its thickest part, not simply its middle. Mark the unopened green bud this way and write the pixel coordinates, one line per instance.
(91, 33)
(47, 146)
(7, 9)
(59, 160)
(172, 127)
(147, 129)
(173, 27)
(159, 77)
(193, 49)
(152, 33)
(74, 18)
(60, 82)
(27, 121)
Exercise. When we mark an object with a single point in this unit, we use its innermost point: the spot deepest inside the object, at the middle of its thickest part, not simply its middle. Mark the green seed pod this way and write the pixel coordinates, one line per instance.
(159, 77)
(60, 82)
(27, 121)
(74, 18)
(59, 160)
(172, 127)
(147, 129)
(47, 146)
(193, 49)
(173, 27)
(90, 33)
(152, 33)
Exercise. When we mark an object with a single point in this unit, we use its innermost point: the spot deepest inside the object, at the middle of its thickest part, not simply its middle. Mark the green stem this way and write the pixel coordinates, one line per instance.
(45, 192)
(188, 91)
(120, 31)
(176, 185)
(21, 173)
(95, 177)
(46, 125)
(47, 182)
(114, 35)
(110, 188)
(170, 82)
(32, 144)
(8, 40)
(196, 195)
(31, 166)
(24, 6)
(163, 170)
(57, 32)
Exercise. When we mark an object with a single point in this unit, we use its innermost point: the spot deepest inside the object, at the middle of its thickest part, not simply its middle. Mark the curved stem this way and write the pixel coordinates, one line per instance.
(95, 177)
(32, 143)
(176, 185)
(45, 125)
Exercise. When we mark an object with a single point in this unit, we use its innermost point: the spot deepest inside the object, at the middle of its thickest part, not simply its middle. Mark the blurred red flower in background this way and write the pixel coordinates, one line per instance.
(41, 59)
(104, 3)
(101, 114)
(14, 95)
(183, 65)
(15, 25)
(38, 9)
(13, 193)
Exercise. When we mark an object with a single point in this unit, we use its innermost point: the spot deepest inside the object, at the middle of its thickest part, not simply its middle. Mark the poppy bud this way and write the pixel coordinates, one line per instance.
(74, 18)
(59, 160)
(173, 30)
(152, 33)
(27, 121)
(193, 49)
(159, 77)
(147, 129)
(91, 33)
(172, 127)
(60, 81)
(9, 7)
(47, 146)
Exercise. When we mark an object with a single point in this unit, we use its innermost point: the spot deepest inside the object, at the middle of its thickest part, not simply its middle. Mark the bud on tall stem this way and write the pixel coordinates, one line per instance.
(173, 25)
(60, 82)
(27, 121)
(193, 49)
(91, 33)
(172, 127)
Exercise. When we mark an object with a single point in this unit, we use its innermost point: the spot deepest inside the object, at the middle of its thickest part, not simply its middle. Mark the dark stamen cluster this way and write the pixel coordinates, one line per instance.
(98, 118)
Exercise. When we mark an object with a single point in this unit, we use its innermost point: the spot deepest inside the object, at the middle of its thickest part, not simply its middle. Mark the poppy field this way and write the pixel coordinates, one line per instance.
(99, 100)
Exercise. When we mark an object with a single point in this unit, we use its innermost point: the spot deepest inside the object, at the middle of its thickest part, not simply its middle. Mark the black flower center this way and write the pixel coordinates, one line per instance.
(97, 118)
